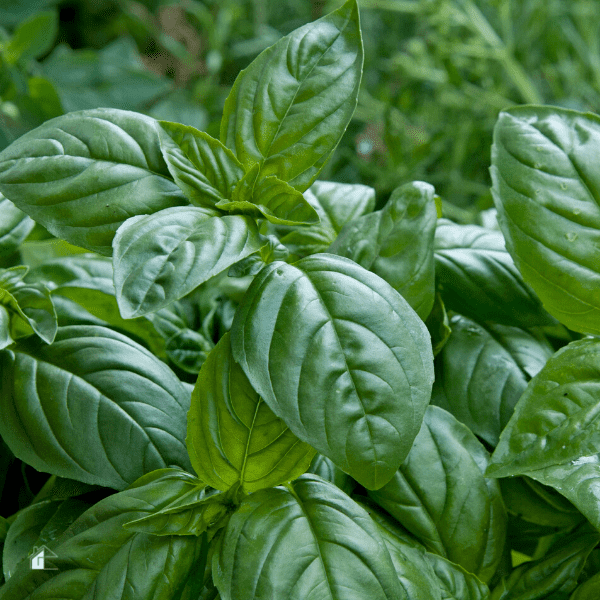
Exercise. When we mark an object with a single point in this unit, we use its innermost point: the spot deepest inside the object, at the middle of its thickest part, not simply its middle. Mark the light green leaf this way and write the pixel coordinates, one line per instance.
(15, 226)
(396, 243)
(32, 38)
(233, 436)
(339, 356)
(96, 557)
(288, 110)
(162, 257)
(93, 406)
(557, 419)
(314, 541)
(5, 337)
(482, 372)
(546, 188)
(206, 170)
(325, 468)
(82, 174)
(441, 496)
(478, 279)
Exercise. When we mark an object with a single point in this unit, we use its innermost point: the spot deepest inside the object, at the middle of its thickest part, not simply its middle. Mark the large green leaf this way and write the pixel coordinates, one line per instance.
(396, 243)
(93, 406)
(96, 557)
(557, 419)
(482, 372)
(162, 257)
(15, 226)
(441, 496)
(82, 174)
(233, 436)
(288, 110)
(206, 170)
(478, 278)
(305, 540)
(339, 356)
(546, 187)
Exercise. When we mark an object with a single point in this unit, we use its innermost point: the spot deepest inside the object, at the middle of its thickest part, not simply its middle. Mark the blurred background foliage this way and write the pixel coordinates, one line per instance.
(437, 72)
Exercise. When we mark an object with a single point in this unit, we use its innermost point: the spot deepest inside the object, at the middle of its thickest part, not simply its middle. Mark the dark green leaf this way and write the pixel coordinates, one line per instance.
(546, 188)
(288, 110)
(442, 497)
(188, 350)
(15, 226)
(233, 436)
(93, 406)
(307, 539)
(83, 174)
(438, 324)
(456, 583)
(325, 468)
(5, 337)
(339, 356)
(162, 257)
(589, 590)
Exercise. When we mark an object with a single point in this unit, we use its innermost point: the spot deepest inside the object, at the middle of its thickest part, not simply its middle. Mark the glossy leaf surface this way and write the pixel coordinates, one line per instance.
(288, 110)
(307, 540)
(546, 188)
(94, 406)
(82, 174)
(162, 257)
(233, 436)
(340, 357)
(15, 226)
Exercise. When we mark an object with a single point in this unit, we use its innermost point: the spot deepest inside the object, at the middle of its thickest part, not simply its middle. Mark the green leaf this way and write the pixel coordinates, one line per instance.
(188, 350)
(589, 590)
(251, 265)
(206, 170)
(32, 38)
(326, 469)
(83, 174)
(396, 243)
(438, 324)
(555, 575)
(269, 198)
(5, 336)
(339, 356)
(482, 372)
(162, 257)
(93, 406)
(233, 437)
(455, 582)
(15, 226)
(97, 557)
(546, 188)
(314, 541)
(557, 418)
(288, 110)
(477, 277)
(441, 496)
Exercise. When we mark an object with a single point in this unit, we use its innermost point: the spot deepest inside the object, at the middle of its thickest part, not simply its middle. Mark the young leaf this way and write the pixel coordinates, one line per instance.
(546, 189)
(482, 372)
(233, 437)
(206, 170)
(288, 110)
(478, 278)
(313, 541)
(557, 418)
(93, 406)
(339, 356)
(15, 226)
(463, 518)
(162, 257)
(82, 174)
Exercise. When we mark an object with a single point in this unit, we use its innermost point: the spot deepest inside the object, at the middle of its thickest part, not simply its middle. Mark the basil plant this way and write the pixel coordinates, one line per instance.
(226, 365)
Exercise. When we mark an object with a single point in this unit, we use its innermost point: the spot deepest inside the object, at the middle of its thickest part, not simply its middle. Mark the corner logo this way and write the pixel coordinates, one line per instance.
(38, 558)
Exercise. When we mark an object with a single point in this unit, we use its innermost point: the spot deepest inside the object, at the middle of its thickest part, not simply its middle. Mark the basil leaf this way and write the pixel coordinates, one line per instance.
(188, 350)
(96, 554)
(93, 406)
(588, 590)
(546, 189)
(438, 325)
(463, 519)
(340, 357)
(396, 243)
(233, 437)
(5, 337)
(162, 257)
(556, 418)
(312, 537)
(33, 38)
(15, 226)
(482, 372)
(288, 110)
(206, 170)
(477, 277)
(82, 174)
(456, 583)
(326, 469)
